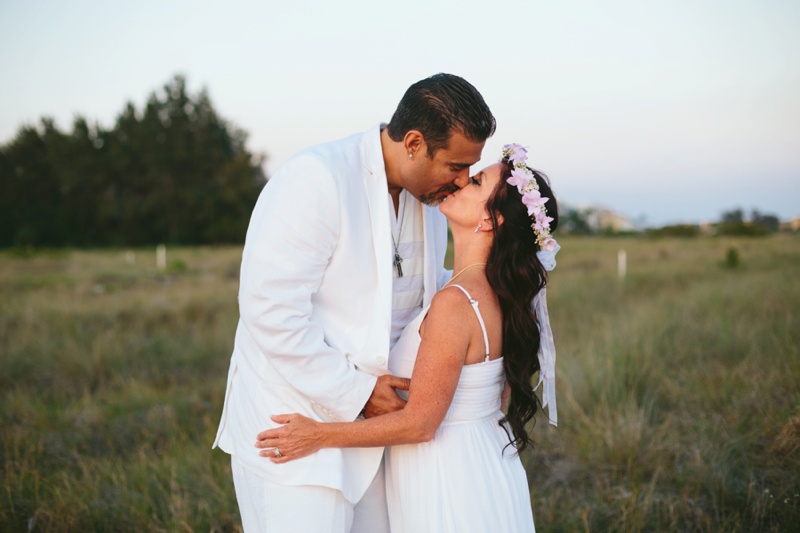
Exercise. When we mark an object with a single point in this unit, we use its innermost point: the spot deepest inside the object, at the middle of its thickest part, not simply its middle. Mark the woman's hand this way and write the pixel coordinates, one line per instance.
(299, 436)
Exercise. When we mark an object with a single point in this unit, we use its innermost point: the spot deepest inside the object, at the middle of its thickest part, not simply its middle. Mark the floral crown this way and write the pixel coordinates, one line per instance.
(522, 177)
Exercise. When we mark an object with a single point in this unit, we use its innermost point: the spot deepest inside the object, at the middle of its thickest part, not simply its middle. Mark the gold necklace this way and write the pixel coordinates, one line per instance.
(462, 271)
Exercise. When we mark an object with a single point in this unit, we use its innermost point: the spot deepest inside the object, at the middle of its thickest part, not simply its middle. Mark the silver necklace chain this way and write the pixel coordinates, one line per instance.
(397, 259)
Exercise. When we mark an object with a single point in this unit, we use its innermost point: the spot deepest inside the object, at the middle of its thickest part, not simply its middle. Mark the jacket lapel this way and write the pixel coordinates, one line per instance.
(377, 190)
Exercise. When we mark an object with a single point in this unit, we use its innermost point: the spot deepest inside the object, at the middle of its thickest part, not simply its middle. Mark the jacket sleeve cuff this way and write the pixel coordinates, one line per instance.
(352, 404)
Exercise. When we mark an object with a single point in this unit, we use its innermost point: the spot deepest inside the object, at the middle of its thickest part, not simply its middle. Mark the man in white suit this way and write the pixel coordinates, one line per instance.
(344, 248)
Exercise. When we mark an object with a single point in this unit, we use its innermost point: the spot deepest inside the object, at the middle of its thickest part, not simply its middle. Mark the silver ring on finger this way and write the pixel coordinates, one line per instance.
(277, 453)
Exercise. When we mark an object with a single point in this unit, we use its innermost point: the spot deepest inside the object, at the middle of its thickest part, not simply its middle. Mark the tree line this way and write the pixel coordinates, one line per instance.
(174, 172)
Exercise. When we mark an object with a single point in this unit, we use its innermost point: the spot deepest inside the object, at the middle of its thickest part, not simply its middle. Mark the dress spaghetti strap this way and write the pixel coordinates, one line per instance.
(474, 304)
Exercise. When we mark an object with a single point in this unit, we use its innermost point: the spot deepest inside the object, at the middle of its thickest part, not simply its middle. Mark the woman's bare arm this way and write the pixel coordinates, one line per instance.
(445, 341)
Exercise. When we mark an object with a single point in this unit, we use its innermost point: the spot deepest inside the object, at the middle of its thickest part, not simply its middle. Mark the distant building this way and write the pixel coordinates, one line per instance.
(601, 219)
(589, 219)
(792, 225)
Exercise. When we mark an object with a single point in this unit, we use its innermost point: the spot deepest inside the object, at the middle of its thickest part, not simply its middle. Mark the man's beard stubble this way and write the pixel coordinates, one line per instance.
(432, 199)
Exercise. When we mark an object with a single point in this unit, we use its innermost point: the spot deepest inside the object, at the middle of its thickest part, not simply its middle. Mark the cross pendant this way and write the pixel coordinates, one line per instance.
(397, 261)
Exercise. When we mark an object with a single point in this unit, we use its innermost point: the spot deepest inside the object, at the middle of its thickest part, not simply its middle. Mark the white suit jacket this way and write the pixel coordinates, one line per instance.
(315, 303)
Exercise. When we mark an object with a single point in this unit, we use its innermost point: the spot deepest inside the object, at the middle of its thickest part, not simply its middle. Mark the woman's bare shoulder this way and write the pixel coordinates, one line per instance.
(449, 308)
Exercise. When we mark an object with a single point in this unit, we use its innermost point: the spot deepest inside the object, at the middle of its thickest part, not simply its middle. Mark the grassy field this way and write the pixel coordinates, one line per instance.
(678, 389)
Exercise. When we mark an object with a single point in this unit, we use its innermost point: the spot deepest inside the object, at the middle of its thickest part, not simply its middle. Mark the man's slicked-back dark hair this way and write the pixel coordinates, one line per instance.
(439, 106)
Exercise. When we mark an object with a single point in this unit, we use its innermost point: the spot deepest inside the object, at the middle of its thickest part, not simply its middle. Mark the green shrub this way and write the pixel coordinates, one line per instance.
(677, 230)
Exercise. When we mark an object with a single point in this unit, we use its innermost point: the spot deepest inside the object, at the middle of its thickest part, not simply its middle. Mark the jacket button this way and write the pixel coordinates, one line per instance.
(381, 360)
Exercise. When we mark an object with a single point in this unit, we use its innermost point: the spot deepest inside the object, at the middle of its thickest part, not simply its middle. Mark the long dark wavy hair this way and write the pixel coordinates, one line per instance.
(516, 275)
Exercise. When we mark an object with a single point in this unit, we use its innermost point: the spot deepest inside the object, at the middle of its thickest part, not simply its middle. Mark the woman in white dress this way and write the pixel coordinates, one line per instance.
(453, 464)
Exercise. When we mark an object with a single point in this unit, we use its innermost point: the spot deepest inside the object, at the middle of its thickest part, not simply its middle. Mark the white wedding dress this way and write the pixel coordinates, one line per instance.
(467, 478)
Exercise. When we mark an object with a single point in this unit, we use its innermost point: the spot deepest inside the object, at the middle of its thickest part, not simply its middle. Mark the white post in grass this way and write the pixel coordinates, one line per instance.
(622, 264)
(161, 257)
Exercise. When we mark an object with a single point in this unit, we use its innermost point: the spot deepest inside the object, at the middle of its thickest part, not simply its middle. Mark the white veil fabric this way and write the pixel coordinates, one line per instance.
(547, 347)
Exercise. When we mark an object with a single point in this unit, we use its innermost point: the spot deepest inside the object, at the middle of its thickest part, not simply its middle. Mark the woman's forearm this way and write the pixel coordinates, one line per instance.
(299, 436)
(399, 427)
(437, 370)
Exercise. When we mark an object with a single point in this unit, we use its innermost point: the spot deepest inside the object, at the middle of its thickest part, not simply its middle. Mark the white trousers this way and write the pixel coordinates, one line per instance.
(272, 508)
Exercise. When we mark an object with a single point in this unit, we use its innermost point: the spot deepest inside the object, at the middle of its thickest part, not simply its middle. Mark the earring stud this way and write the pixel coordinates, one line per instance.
(410, 155)
(478, 228)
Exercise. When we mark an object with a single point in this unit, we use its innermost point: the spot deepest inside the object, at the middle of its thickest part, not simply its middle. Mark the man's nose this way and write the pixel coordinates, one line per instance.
(462, 180)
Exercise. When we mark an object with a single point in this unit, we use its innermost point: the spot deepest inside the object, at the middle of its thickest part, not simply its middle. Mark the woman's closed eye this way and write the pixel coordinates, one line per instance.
(474, 180)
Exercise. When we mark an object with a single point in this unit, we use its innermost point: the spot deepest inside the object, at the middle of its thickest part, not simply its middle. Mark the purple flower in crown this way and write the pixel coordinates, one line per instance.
(515, 153)
(542, 222)
(525, 182)
(534, 201)
(519, 178)
(548, 244)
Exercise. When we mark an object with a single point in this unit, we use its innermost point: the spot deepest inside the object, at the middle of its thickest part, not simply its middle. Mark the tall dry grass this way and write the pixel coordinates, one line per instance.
(679, 404)
(679, 389)
(113, 377)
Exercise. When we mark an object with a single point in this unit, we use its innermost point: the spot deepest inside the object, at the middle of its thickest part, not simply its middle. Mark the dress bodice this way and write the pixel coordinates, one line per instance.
(480, 386)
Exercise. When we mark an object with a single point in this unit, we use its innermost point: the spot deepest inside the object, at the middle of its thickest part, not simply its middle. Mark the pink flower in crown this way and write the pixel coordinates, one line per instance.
(519, 178)
(518, 153)
(534, 201)
(548, 244)
(542, 222)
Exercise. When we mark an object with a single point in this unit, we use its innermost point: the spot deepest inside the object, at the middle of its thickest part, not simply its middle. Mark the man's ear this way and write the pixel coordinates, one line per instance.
(414, 142)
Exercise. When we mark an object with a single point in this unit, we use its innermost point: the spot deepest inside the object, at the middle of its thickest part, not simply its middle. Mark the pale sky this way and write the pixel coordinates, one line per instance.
(671, 111)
